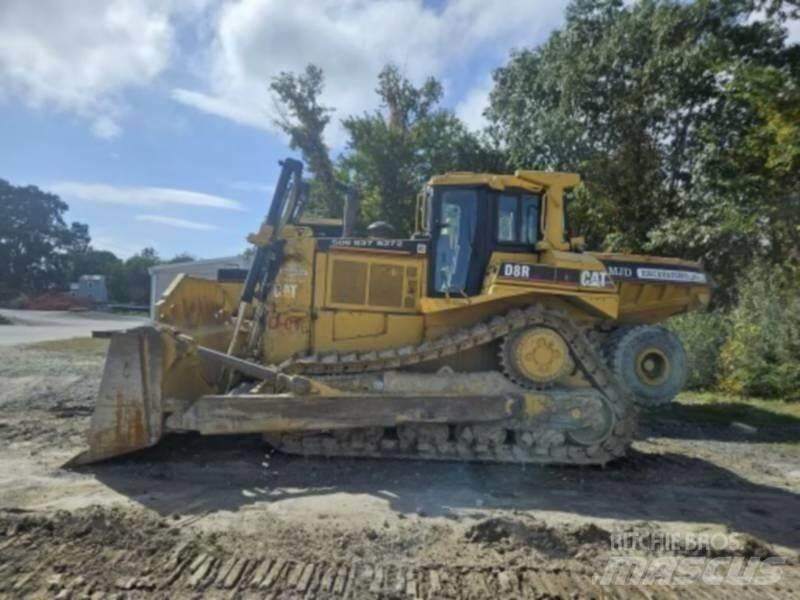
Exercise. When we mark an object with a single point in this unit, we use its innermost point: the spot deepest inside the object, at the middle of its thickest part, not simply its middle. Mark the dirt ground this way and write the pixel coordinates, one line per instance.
(227, 517)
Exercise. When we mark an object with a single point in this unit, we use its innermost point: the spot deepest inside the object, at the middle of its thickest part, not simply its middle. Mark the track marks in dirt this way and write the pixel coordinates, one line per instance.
(104, 553)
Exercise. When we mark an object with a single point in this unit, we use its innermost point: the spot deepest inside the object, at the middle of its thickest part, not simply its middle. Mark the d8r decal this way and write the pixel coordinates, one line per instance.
(516, 271)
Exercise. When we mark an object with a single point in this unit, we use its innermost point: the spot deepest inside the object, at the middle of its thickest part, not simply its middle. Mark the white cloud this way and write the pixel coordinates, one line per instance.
(253, 186)
(139, 196)
(229, 109)
(80, 55)
(475, 101)
(106, 128)
(123, 249)
(173, 222)
(352, 40)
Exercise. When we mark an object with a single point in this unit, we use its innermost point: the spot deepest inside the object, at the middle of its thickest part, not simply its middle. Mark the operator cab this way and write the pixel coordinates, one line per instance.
(467, 223)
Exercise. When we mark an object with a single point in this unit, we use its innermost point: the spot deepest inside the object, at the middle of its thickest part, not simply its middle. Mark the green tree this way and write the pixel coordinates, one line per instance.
(181, 257)
(761, 356)
(304, 119)
(391, 152)
(89, 261)
(117, 283)
(137, 276)
(35, 239)
(681, 117)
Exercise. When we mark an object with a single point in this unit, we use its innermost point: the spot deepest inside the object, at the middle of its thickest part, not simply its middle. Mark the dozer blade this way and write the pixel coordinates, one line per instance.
(127, 414)
(143, 366)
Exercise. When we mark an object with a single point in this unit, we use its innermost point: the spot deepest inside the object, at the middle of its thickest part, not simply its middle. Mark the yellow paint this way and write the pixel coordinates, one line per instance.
(541, 355)
(189, 377)
(493, 181)
(599, 302)
(200, 308)
(535, 404)
(367, 331)
(551, 185)
(287, 334)
(348, 325)
(288, 324)
(363, 280)
(367, 299)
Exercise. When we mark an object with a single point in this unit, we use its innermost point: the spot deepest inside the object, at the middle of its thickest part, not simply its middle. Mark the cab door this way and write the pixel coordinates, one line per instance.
(459, 249)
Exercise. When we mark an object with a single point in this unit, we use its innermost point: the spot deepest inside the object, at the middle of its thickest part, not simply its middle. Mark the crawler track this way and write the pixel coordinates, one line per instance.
(610, 406)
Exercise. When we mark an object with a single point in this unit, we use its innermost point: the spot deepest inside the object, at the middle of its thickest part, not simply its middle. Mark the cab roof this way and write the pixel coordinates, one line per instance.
(534, 181)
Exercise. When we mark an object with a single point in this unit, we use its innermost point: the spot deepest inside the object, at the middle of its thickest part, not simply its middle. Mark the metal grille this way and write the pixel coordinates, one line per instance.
(349, 282)
(411, 287)
(386, 285)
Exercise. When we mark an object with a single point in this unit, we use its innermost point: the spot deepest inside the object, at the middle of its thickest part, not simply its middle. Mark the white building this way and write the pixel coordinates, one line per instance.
(161, 276)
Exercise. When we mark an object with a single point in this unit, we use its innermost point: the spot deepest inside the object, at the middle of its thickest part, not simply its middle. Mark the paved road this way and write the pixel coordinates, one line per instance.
(29, 326)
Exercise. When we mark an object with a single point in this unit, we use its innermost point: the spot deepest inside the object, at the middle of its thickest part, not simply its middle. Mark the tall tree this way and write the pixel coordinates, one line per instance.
(89, 261)
(391, 152)
(137, 275)
(650, 103)
(303, 118)
(35, 239)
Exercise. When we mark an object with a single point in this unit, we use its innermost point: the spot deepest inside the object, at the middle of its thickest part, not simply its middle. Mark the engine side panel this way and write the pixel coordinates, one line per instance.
(367, 294)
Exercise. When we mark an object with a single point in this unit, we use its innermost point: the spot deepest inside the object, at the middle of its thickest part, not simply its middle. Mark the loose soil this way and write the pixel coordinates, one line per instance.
(229, 517)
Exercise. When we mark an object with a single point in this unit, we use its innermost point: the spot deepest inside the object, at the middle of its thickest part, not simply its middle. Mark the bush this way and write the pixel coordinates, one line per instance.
(761, 357)
(702, 334)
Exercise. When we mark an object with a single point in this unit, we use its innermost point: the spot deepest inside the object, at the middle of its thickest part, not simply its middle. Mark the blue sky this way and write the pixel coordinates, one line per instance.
(153, 120)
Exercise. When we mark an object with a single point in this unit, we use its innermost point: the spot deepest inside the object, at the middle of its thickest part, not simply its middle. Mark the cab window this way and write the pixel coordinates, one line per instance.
(507, 219)
(458, 218)
(517, 219)
(530, 219)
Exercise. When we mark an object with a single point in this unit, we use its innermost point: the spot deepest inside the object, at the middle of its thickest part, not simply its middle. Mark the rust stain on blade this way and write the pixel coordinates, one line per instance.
(130, 391)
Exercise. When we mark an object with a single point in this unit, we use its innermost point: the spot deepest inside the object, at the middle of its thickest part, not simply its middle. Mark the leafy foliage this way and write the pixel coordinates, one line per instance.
(703, 335)
(390, 152)
(137, 277)
(39, 251)
(761, 357)
(682, 119)
(394, 150)
(34, 238)
(89, 261)
(304, 119)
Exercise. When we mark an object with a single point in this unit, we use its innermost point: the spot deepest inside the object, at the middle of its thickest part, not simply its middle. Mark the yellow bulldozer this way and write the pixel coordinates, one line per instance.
(489, 335)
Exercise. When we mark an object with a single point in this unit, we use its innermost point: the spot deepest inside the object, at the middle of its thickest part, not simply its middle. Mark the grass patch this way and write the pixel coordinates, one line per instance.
(4, 321)
(724, 408)
(84, 345)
